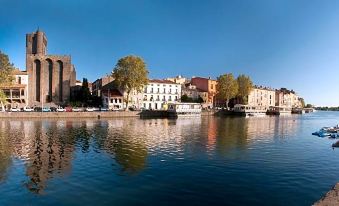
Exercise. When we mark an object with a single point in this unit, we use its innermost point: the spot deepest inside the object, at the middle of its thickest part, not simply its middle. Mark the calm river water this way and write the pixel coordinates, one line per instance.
(188, 161)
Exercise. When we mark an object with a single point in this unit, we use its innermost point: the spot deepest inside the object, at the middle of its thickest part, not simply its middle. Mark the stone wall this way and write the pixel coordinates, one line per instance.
(46, 115)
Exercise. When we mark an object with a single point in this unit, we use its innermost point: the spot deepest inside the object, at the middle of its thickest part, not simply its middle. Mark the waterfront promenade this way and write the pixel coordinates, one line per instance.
(109, 114)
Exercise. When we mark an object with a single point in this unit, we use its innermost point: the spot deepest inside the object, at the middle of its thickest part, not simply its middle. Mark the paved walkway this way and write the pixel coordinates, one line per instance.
(331, 198)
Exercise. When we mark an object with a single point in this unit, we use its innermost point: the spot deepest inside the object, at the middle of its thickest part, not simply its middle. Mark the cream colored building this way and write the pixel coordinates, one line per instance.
(287, 98)
(158, 93)
(262, 96)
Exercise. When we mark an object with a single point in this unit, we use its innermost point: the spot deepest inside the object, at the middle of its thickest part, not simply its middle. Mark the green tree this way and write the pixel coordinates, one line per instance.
(130, 74)
(245, 86)
(85, 93)
(6, 77)
(309, 105)
(227, 87)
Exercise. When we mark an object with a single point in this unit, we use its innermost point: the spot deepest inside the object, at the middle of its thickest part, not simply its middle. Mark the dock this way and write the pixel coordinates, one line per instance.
(331, 197)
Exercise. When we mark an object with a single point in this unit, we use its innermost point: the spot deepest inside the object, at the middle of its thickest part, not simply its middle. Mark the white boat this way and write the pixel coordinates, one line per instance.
(249, 111)
(276, 110)
(184, 109)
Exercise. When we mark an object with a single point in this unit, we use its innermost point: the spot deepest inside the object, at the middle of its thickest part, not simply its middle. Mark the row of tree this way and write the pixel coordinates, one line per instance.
(131, 73)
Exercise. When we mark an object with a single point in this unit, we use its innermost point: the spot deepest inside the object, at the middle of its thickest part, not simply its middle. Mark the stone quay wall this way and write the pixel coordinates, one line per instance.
(96, 115)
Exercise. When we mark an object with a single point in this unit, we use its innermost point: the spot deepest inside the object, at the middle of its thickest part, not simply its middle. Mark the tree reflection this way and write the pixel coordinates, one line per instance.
(231, 133)
(5, 156)
(129, 151)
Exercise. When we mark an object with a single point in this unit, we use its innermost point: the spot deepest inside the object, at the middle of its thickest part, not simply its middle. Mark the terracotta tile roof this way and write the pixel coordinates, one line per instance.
(110, 86)
(204, 78)
(12, 86)
(161, 81)
(18, 72)
(112, 93)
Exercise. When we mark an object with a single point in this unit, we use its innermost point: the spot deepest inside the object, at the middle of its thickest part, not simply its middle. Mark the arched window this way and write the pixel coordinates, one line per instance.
(37, 68)
(49, 69)
(61, 70)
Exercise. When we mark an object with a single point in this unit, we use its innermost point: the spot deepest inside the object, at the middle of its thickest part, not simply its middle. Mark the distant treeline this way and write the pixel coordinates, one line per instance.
(327, 108)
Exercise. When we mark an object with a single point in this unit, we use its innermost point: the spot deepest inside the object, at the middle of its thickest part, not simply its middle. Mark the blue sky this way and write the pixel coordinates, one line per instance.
(287, 43)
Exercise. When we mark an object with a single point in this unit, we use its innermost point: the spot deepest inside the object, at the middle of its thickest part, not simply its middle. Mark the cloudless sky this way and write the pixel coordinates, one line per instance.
(279, 43)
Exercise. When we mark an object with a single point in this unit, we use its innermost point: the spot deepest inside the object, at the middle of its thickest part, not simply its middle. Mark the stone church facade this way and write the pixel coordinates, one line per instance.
(50, 76)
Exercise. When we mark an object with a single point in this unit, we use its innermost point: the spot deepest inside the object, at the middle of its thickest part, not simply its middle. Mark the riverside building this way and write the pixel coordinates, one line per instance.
(158, 93)
(17, 92)
(206, 85)
(263, 97)
(50, 77)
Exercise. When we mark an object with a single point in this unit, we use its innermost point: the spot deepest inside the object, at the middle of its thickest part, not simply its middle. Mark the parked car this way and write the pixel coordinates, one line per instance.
(77, 109)
(96, 109)
(37, 109)
(53, 109)
(14, 109)
(90, 109)
(60, 109)
(46, 109)
(104, 109)
(28, 109)
(68, 109)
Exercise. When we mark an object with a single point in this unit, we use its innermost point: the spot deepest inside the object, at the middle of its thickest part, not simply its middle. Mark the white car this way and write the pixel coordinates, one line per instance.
(28, 109)
(90, 109)
(76, 109)
(14, 110)
(60, 109)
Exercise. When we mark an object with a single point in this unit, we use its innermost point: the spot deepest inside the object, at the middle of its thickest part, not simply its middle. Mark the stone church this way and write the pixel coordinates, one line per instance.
(50, 77)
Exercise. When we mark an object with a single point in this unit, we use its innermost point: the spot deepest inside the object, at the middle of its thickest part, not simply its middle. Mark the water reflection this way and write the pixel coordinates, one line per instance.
(48, 148)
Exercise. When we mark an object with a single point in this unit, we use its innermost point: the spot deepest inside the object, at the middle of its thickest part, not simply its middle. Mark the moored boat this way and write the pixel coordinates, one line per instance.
(249, 111)
(183, 109)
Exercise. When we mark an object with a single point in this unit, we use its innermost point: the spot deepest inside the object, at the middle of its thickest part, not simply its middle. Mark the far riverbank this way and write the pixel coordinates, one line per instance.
(96, 115)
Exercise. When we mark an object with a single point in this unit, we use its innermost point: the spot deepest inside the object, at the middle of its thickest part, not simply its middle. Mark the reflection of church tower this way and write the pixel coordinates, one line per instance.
(48, 156)
(50, 76)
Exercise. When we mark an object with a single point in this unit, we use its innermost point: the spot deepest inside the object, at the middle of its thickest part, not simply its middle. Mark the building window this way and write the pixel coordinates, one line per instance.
(164, 90)
(170, 98)
(211, 86)
(158, 90)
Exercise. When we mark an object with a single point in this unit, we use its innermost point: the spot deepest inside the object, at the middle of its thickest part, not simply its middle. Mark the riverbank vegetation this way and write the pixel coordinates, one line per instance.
(6, 78)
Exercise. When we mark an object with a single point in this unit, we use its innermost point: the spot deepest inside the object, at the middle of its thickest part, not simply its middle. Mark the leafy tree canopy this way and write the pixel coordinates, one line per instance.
(245, 86)
(227, 87)
(6, 77)
(130, 73)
